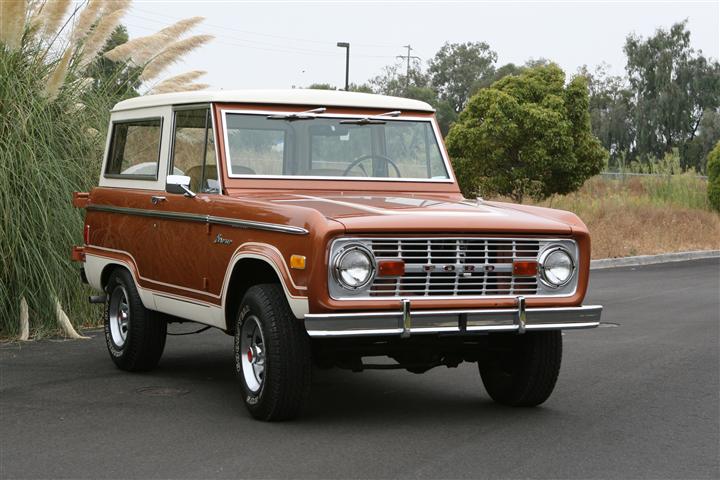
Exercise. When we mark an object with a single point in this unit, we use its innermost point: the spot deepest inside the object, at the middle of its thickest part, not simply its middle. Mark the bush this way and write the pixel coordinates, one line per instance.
(713, 169)
(527, 135)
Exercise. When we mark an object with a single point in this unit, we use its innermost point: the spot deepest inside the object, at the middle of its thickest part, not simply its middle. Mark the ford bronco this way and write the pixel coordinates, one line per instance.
(322, 229)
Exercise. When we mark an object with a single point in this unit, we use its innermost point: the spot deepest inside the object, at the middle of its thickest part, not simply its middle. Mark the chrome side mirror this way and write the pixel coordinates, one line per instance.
(179, 184)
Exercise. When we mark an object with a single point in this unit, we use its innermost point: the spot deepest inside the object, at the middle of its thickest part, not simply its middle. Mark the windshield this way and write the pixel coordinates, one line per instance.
(351, 148)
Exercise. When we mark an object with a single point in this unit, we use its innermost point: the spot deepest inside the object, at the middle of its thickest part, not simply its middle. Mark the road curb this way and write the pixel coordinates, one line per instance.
(652, 259)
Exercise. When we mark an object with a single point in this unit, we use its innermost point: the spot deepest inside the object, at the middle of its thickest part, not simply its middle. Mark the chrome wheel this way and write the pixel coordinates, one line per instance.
(252, 353)
(119, 313)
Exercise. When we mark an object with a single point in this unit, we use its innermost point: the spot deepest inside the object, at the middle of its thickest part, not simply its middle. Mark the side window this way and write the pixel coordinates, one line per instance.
(194, 149)
(135, 149)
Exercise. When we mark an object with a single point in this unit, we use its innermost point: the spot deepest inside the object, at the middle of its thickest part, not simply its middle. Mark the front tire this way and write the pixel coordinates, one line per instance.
(135, 336)
(521, 370)
(272, 355)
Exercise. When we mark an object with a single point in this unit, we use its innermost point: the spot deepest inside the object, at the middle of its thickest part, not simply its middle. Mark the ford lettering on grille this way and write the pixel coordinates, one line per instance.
(454, 266)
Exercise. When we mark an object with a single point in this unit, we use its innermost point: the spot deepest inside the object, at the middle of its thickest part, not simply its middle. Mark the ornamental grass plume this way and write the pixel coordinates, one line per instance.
(189, 87)
(180, 28)
(172, 54)
(179, 83)
(95, 40)
(140, 50)
(12, 20)
(51, 15)
(178, 87)
(57, 76)
(87, 18)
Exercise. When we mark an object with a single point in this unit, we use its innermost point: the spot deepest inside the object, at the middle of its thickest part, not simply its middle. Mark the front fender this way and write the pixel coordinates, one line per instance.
(296, 295)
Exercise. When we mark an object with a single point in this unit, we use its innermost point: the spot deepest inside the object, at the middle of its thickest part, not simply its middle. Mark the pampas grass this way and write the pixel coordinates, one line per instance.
(12, 20)
(154, 53)
(140, 50)
(44, 158)
(172, 54)
(57, 76)
(99, 35)
(180, 28)
(51, 16)
(53, 122)
(88, 17)
(179, 83)
(178, 87)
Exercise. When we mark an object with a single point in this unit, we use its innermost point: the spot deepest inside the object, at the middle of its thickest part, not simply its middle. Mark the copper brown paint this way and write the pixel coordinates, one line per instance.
(179, 257)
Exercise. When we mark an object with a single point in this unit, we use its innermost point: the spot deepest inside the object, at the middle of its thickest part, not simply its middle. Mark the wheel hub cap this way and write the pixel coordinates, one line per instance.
(253, 362)
(119, 316)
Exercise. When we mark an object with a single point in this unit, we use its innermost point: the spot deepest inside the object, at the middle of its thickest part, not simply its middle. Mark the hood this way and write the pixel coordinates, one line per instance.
(376, 212)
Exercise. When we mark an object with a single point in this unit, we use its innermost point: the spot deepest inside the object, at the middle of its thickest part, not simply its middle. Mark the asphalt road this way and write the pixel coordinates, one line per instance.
(640, 400)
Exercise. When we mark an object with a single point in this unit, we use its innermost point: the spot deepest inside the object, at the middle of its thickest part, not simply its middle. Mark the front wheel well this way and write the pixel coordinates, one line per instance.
(246, 273)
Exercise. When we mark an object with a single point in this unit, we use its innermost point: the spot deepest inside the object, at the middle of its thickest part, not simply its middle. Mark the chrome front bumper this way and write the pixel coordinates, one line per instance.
(405, 323)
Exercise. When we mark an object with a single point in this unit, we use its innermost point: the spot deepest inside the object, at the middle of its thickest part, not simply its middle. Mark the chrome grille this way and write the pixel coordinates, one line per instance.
(454, 266)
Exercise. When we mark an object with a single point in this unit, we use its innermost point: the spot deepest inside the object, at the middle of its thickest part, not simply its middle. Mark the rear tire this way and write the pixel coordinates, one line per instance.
(272, 355)
(135, 336)
(521, 370)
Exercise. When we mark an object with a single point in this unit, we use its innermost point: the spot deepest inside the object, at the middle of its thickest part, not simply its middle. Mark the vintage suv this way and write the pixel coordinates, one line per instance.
(321, 228)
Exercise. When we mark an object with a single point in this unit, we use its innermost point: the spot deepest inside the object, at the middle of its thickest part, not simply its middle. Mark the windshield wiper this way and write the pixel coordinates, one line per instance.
(371, 120)
(306, 115)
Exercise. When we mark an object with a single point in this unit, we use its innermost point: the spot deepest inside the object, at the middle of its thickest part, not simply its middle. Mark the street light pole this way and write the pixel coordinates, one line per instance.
(346, 46)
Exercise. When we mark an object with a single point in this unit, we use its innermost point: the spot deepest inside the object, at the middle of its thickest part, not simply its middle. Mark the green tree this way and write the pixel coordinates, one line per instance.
(321, 86)
(397, 81)
(673, 85)
(610, 103)
(526, 135)
(362, 88)
(500, 72)
(694, 153)
(457, 68)
(713, 169)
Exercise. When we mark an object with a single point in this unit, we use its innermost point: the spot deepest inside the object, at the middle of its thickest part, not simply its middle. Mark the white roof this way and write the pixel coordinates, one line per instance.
(310, 98)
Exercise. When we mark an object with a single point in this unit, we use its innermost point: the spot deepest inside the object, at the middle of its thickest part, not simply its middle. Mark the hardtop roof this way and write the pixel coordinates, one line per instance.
(308, 97)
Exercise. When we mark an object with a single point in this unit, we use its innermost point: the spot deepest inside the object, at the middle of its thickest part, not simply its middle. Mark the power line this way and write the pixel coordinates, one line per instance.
(408, 57)
(273, 47)
(249, 32)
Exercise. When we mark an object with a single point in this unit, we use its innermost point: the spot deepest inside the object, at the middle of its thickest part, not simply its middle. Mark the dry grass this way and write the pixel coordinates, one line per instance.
(643, 216)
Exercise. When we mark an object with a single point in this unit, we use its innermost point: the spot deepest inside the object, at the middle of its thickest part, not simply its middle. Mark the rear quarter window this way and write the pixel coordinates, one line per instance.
(135, 149)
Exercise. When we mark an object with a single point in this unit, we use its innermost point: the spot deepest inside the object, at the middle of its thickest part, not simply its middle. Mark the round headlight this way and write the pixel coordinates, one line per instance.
(556, 266)
(354, 267)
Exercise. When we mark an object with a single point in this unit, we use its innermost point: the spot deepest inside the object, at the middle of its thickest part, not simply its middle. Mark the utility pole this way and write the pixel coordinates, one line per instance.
(346, 46)
(408, 57)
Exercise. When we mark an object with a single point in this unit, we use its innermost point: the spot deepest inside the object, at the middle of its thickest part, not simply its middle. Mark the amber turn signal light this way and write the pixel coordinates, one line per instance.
(297, 262)
(525, 268)
(391, 268)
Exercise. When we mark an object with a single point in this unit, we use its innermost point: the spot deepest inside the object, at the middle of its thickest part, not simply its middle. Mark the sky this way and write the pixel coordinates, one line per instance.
(284, 44)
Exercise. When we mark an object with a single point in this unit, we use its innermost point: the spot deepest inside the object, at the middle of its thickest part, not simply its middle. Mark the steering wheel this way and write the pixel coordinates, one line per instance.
(359, 159)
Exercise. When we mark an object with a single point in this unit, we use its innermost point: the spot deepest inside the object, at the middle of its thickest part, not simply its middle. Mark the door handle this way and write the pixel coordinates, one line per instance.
(155, 199)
